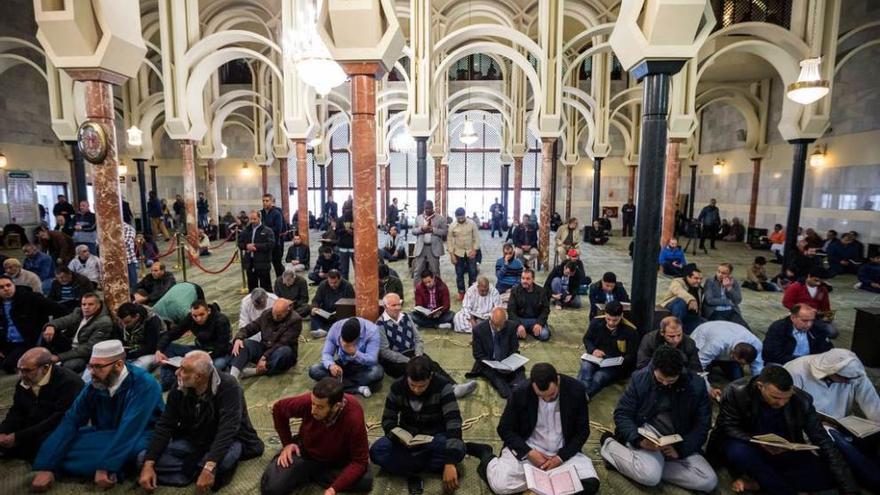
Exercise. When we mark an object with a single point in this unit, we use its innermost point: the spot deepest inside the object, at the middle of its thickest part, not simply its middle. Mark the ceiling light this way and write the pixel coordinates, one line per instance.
(468, 134)
(403, 142)
(245, 170)
(3, 161)
(718, 167)
(314, 64)
(135, 136)
(224, 151)
(810, 87)
(817, 157)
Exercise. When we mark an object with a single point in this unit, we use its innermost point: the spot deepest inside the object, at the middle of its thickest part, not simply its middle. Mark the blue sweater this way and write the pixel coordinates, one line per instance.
(507, 275)
(41, 264)
(667, 254)
(368, 345)
(868, 273)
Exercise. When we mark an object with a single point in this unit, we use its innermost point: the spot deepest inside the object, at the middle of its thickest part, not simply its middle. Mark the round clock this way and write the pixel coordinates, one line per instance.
(92, 141)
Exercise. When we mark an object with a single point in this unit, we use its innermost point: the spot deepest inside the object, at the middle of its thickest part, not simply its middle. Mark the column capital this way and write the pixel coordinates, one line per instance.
(371, 68)
(96, 74)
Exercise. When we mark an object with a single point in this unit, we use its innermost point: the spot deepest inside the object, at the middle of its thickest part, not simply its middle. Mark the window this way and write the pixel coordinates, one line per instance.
(477, 67)
(825, 201)
(847, 202)
(235, 72)
(730, 12)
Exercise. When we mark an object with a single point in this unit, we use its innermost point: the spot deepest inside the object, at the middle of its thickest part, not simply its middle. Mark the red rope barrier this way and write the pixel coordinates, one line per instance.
(228, 238)
(197, 264)
(171, 246)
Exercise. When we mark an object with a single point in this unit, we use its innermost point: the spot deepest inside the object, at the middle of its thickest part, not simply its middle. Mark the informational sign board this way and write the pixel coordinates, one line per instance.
(21, 198)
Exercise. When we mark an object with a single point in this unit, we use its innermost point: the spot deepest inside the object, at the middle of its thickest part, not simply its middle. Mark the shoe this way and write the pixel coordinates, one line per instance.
(478, 450)
(318, 334)
(605, 436)
(444, 326)
(365, 391)
(415, 485)
(464, 389)
(460, 296)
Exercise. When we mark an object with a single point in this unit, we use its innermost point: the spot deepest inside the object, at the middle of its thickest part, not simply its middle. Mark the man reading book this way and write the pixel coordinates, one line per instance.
(837, 380)
(495, 340)
(330, 290)
(770, 403)
(351, 355)
(421, 403)
(667, 399)
(609, 336)
(432, 297)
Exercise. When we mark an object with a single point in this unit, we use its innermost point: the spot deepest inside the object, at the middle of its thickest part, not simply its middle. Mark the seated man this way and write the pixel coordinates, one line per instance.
(140, 328)
(298, 255)
(432, 294)
(401, 342)
(293, 287)
(154, 285)
(666, 399)
(596, 234)
(610, 336)
(276, 350)
(68, 287)
(87, 264)
(71, 337)
(41, 398)
(22, 316)
(757, 279)
(175, 304)
(567, 237)
(606, 290)
(844, 256)
(421, 403)
(544, 424)
(388, 283)
(110, 421)
(670, 334)
(495, 340)
(479, 300)
(203, 432)
(331, 448)
(326, 262)
(525, 238)
(564, 284)
(722, 296)
(529, 308)
(795, 336)
(869, 275)
(211, 331)
(12, 269)
(770, 403)
(508, 269)
(812, 292)
(394, 248)
(672, 259)
(254, 305)
(728, 347)
(836, 380)
(329, 292)
(39, 263)
(351, 355)
(684, 296)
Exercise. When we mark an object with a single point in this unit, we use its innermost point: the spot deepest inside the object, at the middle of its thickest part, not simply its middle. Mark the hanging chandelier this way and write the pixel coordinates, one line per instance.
(810, 87)
(314, 64)
(468, 135)
(135, 136)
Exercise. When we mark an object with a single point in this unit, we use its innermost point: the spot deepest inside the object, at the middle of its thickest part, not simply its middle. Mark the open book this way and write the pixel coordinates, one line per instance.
(324, 314)
(560, 481)
(409, 439)
(602, 362)
(859, 427)
(774, 440)
(659, 440)
(510, 363)
(427, 312)
(626, 306)
(175, 361)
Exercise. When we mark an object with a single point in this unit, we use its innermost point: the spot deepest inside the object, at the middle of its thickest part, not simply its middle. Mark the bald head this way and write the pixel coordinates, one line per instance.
(200, 362)
(392, 304)
(38, 356)
(498, 317)
(281, 308)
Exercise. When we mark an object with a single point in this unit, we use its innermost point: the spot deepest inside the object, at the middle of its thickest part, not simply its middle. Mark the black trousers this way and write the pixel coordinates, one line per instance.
(708, 232)
(628, 224)
(277, 253)
(258, 278)
(397, 370)
(283, 481)
(504, 383)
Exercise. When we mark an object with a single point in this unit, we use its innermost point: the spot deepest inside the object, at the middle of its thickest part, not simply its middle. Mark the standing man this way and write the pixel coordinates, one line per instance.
(179, 214)
(272, 217)
(202, 209)
(710, 220)
(497, 212)
(430, 232)
(331, 211)
(257, 242)
(85, 228)
(154, 211)
(463, 243)
(392, 215)
(628, 212)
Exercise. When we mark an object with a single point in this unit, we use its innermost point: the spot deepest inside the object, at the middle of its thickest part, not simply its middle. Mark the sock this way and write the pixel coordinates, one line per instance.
(235, 372)
(591, 486)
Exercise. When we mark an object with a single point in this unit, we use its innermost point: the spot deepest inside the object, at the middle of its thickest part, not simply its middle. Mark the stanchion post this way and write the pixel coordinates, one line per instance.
(177, 266)
(244, 286)
(183, 257)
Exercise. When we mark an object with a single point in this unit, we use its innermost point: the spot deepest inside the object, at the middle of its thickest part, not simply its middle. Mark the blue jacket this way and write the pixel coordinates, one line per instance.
(42, 264)
(154, 208)
(667, 254)
(275, 221)
(779, 343)
(691, 413)
(507, 275)
(131, 413)
(839, 251)
(869, 272)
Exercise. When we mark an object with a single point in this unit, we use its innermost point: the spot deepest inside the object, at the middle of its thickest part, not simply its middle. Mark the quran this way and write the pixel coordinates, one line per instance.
(774, 440)
(659, 440)
(560, 481)
(409, 439)
(510, 363)
(602, 362)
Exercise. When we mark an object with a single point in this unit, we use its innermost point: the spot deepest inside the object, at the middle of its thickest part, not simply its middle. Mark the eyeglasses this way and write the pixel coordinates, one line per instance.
(93, 367)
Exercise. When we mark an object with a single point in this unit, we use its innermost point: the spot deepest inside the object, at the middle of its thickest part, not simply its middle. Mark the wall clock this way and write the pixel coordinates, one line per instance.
(92, 142)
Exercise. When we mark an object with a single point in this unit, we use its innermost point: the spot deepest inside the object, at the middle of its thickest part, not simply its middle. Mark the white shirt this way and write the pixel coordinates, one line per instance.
(836, 399)
(716, 339)
(812, 290)
(480, 306)
(249, 313)
(547, 436)
(122, 376)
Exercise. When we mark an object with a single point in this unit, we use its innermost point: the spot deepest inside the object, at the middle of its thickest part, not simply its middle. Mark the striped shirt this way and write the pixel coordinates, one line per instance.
(475, 305)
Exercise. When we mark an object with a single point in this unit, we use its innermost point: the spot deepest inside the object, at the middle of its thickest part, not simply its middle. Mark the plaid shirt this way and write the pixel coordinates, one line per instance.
(128, 235)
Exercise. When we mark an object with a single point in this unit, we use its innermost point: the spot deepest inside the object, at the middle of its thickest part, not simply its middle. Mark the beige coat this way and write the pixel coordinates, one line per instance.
(678, 288)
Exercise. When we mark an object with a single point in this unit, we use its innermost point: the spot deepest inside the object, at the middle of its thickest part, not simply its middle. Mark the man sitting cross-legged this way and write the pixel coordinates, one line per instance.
(276, 350)
(331, 448)
(329, 292)
(71, 337)
(666, 399)
(606, 290)
(609, 336)
(670, 334)
(351, 355)
(402, 342)
(529, 308)
(478, 302)
(545, 424)
(421, 403)
(211, 331)
(203, 432)
(495, 340)
(432, 294)
(108, 424)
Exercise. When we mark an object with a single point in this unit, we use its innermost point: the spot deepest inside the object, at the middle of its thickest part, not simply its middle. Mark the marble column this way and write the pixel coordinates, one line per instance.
(568, 190)
(505, 186)
(78, 174)
(554, 173)
(547, 159)
(284, 178)
(328, 182)
(756, 184)
(264, 178)
(438, 185)
(153, 184)
(670, 195)
(517, 186)
(421, 172)
(798, 174)
(302, 190)
(146, 228)
(597, 188)
(212, 196)
(444, 188)
(631, 185)
(187, 148)
(382, 169)
(363, 153)
(98, 86)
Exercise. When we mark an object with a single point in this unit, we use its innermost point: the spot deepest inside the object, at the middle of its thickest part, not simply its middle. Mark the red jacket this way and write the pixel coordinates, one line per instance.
(442, 295)
(342, 443)
(797, 293)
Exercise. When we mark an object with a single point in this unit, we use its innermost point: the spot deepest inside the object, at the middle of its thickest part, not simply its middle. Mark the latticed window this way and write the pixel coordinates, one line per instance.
(730, 12)
(341, 160)
(477, 67)
(235, 72)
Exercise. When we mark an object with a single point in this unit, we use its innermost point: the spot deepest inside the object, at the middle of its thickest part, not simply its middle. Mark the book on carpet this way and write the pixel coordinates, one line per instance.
(510, 363)
(774, 440)
(324, 314)
(560, 481)
(659, 440)
(428, 312)
(602, 362)
(409, 439)
(859, 427)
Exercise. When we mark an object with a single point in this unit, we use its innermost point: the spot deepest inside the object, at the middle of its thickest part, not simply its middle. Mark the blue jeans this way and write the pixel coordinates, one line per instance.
(132, 276)
(179, 465)
(730, 369)
(689, 320)
(398, 460)
(346, 258)
(787, 474)
(354, 375)
(464, 264)
(556, 288)
(167, 375)
(862, 457)
(281, 359)
(529, 323)
(596, 378)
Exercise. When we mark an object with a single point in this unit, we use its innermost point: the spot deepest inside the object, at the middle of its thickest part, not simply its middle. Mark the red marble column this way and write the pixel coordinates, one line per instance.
(670, 195)
(363, 152)
(211, 183)
(517, 186)
(568, 190)
(328, 168)
(302, 190)
(284, 172)
(105, 181)
(382, 170)
(631, 188)
(438, 185)
(546, 205)
(264, 178)
(187, 149)
(756, 184)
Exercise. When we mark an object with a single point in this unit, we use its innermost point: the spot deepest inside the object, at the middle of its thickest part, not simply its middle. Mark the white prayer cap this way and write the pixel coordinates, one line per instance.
(108, 349)
(836, 361)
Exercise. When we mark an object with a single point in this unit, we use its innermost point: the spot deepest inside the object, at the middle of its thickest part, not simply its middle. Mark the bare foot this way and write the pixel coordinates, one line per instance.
(741, 485)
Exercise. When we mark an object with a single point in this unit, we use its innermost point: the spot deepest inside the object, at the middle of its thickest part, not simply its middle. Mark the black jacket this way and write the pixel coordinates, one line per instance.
(298, 292)
(325, 297)
(521, 414)
(322, 264)
(624, 342)
(651, 341)
(779, 344)
(81, 285)
(598, 296)
(738, 419)
(213, 337)
(691, 413)
(482, 344)
(274, 334)
(300, 252)
(525, 236)
(264, 239)
(30, 312)
(156, 288)
(578, 279)
(534, 304)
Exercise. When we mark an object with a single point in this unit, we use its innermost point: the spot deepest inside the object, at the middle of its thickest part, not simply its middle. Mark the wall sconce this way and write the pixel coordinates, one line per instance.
(777, 175)
(245, 171)
(718, 167)
(817, 157)
(135, 136)
(315, 142)
(224, 151)
(3, 161)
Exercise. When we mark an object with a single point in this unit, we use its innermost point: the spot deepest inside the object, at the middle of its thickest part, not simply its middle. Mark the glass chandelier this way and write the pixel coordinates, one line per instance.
(404, 142)
(810, 87)
(314, 64)
(468, 135)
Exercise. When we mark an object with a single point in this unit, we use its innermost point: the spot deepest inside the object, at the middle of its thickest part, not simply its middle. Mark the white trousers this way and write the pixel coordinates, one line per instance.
(649, 468)
(506, 474)
(462, 323)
